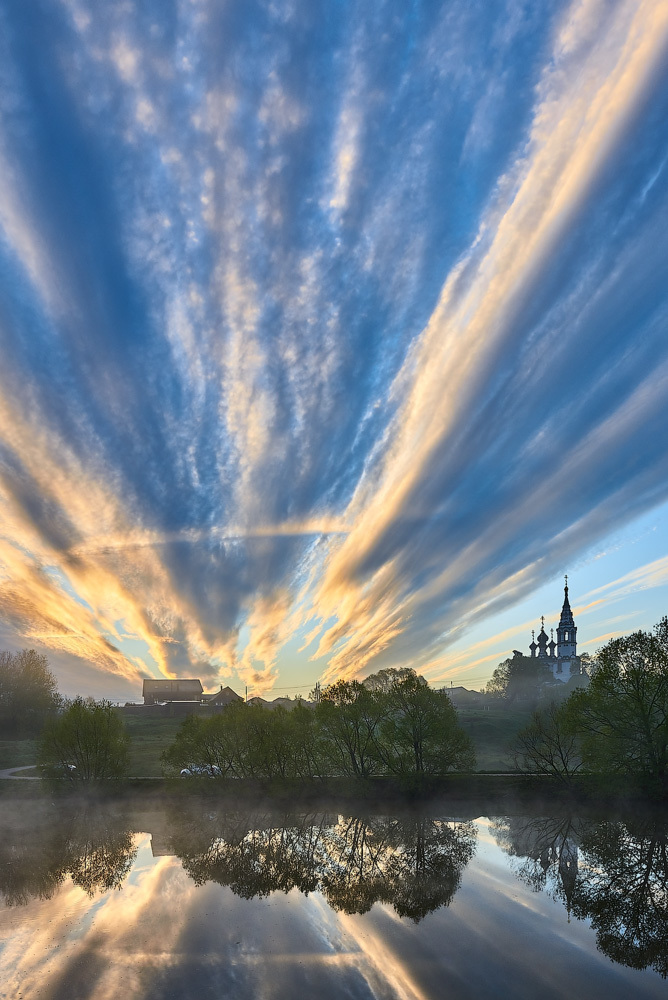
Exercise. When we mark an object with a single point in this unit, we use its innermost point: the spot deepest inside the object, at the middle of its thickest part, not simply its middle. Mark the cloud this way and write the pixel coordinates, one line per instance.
(320, 322)
(653, 574)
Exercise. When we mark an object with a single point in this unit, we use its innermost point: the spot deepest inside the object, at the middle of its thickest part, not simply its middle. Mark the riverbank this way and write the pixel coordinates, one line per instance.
(482, 793)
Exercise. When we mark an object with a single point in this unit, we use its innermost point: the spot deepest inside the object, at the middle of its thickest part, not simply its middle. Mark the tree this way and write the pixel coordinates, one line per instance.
(623, 715)
(518, 678)
(28, 692)
(248, 741)
(87, 742)
(385, 679)
(419, 733)
(348, 716)
(550, 743)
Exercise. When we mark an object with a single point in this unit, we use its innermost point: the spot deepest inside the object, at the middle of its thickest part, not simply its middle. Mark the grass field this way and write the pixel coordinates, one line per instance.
(150, 736)
(492, 731)
(16, 753)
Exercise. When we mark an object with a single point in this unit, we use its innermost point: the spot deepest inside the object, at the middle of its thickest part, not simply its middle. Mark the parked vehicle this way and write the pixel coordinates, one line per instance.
(201, 771)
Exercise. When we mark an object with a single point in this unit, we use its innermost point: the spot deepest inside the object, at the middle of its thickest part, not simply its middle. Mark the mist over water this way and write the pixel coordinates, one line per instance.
(193, 898)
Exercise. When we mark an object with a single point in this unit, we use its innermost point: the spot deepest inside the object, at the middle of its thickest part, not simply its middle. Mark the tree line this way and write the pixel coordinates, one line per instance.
(618, 724)
(391, 724)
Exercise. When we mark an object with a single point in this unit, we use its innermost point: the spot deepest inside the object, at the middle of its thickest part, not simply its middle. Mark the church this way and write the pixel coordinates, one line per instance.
(560, 656)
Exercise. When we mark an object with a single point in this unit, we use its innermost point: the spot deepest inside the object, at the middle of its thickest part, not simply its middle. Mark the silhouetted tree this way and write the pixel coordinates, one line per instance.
(349, 716)
(414, 864)
(28, 693)
(550, 743)
(91, 845)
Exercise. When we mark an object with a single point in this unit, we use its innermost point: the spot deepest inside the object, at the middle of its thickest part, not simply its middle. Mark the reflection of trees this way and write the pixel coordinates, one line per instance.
(545, 850)
(90, 846)
(625, 892)
(415, 864)
(614, 874)
(253, 853)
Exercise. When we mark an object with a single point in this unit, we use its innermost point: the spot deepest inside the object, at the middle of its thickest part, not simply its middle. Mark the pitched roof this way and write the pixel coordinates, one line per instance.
(222, 697)
(165, 684)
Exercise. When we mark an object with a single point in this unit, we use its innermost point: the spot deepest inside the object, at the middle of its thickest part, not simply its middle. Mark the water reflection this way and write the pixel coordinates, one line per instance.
(91, 846)
(612, 874)
(615, 874)
(413, 863)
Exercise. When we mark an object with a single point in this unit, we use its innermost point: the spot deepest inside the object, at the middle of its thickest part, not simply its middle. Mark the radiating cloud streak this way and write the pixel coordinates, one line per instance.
(344, 323)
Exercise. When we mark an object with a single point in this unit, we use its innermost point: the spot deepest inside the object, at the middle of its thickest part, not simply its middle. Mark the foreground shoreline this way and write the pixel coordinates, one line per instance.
(492, 790)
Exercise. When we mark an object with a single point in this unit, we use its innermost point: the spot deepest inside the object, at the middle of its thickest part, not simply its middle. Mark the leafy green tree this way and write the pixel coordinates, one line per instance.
(622, 716)
(518, 679)
(200, 744)
(349, 716)
(550, 743)
(87, 742)
(419, 732)
(28, 693)
(248, 741)
(308, 759)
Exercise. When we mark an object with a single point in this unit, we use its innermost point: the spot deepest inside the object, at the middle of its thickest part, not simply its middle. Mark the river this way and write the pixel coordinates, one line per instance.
(195, 898)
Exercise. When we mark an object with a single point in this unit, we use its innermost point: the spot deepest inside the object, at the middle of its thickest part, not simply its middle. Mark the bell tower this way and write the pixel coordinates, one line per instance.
(566, 632)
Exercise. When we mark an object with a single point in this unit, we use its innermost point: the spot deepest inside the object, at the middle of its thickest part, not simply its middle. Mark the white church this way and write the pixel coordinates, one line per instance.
(560, 656)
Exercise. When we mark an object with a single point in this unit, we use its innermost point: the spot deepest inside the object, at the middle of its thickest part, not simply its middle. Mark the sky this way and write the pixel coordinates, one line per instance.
(332, 335)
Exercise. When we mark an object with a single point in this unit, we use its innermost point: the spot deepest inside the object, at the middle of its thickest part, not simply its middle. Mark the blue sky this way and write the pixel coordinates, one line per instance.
(331, 334)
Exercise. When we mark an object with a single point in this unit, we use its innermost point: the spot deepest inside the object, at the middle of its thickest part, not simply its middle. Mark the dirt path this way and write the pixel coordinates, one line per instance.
(12, 773)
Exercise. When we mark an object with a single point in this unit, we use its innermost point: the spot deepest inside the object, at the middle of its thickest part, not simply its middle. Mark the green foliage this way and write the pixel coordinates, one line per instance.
(248, 741)
(550, 743)
(419, 732)
(28, 693)
(385, 679)
(348, 717)
(405, 730)
(87, 742)
(622, 716)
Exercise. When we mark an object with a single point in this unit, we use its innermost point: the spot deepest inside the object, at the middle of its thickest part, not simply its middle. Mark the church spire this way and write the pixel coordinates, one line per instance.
(566, 613)
(566, 630)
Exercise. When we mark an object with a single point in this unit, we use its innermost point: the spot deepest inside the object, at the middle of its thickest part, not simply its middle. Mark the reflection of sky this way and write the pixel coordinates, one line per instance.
(161, 937)
(331, 334)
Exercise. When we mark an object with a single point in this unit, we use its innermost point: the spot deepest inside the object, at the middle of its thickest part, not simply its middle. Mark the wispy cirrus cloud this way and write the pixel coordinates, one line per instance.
(344, 324)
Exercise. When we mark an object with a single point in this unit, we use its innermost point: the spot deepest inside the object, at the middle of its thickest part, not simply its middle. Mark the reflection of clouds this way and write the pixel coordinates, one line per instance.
(161, 930)
(114, 935)
(289, 321)
(162, 936)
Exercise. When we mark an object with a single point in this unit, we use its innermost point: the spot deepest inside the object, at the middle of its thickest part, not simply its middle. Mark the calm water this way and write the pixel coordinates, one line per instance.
(200, 901)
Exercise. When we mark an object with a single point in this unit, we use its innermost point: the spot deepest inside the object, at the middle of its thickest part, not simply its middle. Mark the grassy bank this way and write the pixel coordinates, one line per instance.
(460, 795)
(150, 736)
(492, 731)
(17, 753)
